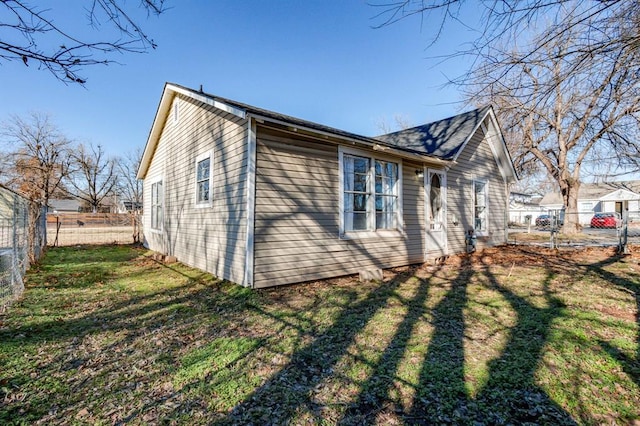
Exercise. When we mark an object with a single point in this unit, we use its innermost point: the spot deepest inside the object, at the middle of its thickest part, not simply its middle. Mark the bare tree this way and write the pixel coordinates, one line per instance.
(129, 187)
(36, 163)
(31, 34)
(561, 73)
(560, 111)
(93, 177)
(604, 25)
(38, 156)
(400, 122)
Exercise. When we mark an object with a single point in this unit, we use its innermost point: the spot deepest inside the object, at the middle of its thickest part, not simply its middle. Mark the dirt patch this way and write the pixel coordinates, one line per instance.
(538, 256)
(616, 312)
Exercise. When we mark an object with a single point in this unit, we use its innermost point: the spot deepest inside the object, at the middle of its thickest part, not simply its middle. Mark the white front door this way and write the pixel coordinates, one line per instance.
(435, 184)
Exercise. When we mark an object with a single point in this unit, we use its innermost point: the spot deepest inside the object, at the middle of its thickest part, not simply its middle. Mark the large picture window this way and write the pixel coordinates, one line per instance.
(370, 193)
(156, 205)
(480, 204)
(203, 179)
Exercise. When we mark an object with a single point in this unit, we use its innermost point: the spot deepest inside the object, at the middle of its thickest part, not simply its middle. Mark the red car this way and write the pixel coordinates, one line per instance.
(606, 220)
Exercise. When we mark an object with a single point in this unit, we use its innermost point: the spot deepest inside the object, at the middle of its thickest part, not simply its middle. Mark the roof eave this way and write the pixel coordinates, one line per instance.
(365, 142)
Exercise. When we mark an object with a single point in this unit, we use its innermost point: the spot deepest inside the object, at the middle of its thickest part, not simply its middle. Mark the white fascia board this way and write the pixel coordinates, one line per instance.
(154, 133)
(498, 132)
(371, 145)
(505, 149)
(168, 94)
(209, 101)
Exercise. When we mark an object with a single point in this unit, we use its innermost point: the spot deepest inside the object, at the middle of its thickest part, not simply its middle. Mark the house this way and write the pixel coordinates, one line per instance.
(523, 208)
(264, 199)
(603, 197)
(60, 205)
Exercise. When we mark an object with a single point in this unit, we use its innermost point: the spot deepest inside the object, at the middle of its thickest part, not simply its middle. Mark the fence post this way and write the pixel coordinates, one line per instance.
(14, 243)
(553, 228)
(623, 233)
(43, 228)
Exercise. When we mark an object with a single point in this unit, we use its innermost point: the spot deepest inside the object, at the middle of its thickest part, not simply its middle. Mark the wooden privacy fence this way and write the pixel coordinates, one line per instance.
(65, 229)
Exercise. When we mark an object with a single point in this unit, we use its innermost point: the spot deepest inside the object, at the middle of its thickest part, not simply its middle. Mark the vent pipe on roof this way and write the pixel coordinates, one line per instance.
(201, 89)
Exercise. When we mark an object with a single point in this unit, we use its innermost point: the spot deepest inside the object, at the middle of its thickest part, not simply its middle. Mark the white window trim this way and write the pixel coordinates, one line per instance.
(199, 158)
(372, 232)
(151, 183)
(480, 233)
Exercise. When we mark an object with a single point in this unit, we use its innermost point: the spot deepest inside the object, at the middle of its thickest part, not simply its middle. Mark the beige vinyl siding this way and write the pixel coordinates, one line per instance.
(476, 162)
(153, 239)
(210, 237)
(297, 216)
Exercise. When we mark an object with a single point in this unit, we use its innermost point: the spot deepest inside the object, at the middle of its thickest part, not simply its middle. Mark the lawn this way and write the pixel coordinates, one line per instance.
(107, 335)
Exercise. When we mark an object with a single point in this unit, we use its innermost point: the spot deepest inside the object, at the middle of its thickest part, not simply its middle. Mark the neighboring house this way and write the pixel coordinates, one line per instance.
(132, 206)
(523, 207)
(599, 198)
(64, 206)
(264, 199)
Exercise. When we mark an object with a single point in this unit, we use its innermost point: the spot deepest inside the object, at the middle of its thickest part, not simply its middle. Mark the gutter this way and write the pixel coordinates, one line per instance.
(364, 142)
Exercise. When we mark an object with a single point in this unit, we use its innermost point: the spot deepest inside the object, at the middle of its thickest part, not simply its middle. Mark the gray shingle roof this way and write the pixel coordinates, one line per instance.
(442, 139)
(62, 205)
(281, 117)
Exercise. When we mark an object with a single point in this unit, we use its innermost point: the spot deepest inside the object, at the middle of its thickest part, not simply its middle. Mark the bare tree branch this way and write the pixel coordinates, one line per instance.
(129, 187)
(31, 35)
(562, 75)
(93, 177)
(38, 157)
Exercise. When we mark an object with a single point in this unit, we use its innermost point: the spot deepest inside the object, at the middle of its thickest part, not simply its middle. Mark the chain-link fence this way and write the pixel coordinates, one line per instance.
(64, 229)
(555, 227)
(22, 236)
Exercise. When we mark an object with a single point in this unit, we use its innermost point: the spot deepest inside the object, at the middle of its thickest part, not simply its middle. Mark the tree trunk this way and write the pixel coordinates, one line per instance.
(34, 233)
(569, 189)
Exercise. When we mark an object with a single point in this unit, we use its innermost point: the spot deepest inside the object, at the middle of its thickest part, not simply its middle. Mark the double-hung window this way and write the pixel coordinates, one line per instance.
(203, 179)
(386, 193)
(156, 205)
(370, 193)
(480, 206)
(357, 190)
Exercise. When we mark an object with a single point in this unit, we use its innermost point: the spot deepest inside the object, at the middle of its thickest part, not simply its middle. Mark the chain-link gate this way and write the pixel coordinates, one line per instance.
(66, 229)
(554, 228)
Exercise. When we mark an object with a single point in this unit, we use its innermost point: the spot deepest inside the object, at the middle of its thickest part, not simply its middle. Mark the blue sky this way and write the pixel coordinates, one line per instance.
(319, 60)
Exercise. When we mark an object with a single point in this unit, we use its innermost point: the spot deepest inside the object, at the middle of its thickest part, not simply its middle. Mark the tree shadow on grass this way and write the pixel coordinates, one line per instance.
(227, 345)
(511, 390)
(104, 349)
(510, 394)
(374, 393)
(441, 394)
(630, 364)
(291, 388)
